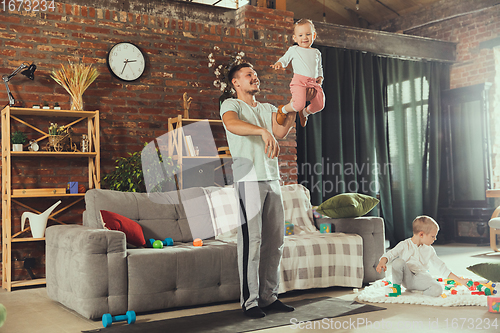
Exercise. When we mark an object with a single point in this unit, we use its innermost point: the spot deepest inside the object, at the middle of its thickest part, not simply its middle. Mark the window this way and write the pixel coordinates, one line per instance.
(407, 107)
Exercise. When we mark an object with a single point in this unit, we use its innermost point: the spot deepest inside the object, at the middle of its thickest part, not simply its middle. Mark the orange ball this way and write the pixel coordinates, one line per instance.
(198, 242)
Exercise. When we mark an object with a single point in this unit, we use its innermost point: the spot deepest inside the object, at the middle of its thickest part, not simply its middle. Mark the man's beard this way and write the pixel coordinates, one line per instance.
(253, 91)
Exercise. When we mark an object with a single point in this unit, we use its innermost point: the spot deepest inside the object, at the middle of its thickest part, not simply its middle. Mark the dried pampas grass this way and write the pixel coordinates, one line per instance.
(75, 78)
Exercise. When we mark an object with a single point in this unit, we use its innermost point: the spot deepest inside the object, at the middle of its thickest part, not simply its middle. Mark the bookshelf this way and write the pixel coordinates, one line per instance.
(205, 166)
(15, 196)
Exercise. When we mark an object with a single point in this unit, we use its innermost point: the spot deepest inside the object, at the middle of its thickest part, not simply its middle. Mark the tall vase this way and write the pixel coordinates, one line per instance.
(225, 95)
(77, 103)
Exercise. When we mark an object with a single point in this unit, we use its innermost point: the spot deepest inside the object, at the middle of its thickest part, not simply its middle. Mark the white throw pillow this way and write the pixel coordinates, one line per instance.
(298, 208)
(224, 209)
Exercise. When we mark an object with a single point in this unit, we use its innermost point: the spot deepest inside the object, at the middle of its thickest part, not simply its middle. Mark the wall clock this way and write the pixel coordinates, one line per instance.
(126, 61)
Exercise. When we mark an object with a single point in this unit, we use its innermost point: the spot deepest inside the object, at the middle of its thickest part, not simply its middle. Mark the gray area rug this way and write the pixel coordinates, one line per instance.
(232, 321)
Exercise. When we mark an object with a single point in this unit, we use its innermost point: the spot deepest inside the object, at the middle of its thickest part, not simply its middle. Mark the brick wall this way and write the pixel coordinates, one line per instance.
(176, 39)
(475, 64)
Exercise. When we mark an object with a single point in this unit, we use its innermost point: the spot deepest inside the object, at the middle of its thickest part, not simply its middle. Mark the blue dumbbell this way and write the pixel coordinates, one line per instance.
(108, 320)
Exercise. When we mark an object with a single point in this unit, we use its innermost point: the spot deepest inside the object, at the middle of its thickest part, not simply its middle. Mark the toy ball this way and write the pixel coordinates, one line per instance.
(158, 244)
(3, 314)
(198, 242)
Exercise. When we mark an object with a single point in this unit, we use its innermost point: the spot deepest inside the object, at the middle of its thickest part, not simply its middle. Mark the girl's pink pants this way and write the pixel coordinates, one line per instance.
(298, 88)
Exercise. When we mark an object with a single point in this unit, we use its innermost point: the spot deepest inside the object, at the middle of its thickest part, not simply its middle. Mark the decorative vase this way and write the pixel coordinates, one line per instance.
(225, 95)
(17, 147)
(77, 103)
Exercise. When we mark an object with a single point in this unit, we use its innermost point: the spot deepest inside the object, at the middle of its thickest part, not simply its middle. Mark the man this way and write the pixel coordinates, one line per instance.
(251, 130)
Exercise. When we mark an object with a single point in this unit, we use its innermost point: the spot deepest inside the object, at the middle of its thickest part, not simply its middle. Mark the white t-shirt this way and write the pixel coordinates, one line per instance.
(305, 62)
(417, 257)
(250, 162)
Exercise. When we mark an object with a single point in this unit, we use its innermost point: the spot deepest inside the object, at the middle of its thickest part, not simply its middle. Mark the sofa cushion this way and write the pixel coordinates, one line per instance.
(197, 214)
(347, 205)
(182, 275)
(298, 209)
(132, 230)
(176, 214)
(224, 208)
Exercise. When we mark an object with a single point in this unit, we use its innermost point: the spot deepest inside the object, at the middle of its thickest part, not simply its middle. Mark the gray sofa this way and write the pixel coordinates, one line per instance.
(93, 271)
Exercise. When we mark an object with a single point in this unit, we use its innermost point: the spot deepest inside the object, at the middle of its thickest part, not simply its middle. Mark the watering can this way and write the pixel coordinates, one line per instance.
(38, 222)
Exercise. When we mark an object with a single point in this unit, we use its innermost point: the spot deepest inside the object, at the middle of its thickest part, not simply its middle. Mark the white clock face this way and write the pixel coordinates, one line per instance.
(126, 61)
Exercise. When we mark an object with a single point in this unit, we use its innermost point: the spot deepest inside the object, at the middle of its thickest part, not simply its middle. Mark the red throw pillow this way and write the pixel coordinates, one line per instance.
(132, 229)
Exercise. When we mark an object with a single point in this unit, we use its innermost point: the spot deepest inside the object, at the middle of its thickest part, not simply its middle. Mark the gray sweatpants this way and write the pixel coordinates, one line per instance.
(402, 275)
(260, 241)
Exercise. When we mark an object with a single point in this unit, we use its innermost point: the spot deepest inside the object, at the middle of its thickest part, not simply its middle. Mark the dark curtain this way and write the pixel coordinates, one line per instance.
(378, 135)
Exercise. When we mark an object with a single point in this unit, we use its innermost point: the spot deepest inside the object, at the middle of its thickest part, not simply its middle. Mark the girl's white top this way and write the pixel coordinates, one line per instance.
(305, 62)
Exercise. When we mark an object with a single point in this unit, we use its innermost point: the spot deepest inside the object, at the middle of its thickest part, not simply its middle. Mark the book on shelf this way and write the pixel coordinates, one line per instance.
(185, 145)
(190, 146)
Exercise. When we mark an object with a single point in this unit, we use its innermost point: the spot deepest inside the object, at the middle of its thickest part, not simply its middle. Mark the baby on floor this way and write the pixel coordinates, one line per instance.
(410, 260)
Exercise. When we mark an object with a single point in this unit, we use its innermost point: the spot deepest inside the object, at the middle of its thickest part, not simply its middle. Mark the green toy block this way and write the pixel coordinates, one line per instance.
(396, 288)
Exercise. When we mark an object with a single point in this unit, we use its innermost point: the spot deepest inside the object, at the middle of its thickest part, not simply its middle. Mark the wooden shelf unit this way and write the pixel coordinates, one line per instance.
(8, 115)
(176, 150)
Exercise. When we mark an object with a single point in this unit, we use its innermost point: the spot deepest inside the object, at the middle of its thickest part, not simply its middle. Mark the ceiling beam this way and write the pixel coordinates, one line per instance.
(385, 43)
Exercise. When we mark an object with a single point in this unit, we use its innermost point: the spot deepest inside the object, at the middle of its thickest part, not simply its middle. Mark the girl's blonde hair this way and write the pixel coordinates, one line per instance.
(304, 21)
(424, 223)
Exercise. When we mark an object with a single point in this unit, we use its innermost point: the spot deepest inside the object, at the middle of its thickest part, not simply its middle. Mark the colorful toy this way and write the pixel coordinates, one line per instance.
(289, 228)
(396, 290)
(198, 242)
(166, 242)
(494, 304)
(488, 288)
(325, 228)
(108, 320)
(452, 287)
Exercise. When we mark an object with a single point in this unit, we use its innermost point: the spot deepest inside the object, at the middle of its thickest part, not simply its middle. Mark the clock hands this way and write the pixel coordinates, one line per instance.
(126, 61)
(132, 70)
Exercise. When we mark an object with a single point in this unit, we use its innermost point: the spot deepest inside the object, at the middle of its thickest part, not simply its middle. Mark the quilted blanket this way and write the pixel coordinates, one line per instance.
(316, 260)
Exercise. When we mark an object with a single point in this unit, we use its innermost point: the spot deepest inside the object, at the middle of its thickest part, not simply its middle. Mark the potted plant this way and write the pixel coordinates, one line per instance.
(57, 106)
(46, 105)
(54, 133)
(128, 175)
(17, 139)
